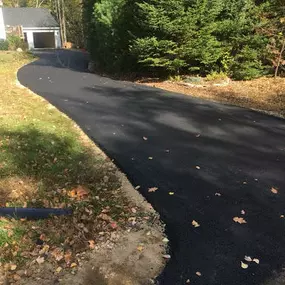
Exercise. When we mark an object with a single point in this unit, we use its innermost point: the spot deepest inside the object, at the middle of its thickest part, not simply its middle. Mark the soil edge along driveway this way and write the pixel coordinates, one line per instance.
(218, 169)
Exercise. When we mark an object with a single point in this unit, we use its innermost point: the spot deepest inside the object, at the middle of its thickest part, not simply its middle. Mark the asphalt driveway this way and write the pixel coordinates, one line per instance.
(219, 161)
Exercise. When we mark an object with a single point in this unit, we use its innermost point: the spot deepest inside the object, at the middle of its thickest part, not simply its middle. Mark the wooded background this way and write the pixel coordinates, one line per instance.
(243, 39)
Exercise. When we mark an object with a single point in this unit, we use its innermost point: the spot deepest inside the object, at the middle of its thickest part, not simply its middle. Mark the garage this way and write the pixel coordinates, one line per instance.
(44, 40)
(39, 28)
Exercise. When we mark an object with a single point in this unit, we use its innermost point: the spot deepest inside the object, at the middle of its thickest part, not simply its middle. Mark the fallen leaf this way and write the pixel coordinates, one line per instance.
(16, 277)
(13, 267)
(198, 135)
(242, 212)
(140, 248)
(114, 225)
(274, 190)
(166, 240)
(81, 192)
(195, 224)
(188, 281)
(171, 193)
(57, 254)
(282, 216)
(166, 256)
(150, 158)
(239, 220)
(152, 189)
(91, 244)
(67, 257)
(243, 265)
(198, 167)
(40, 260)
(137, 187)
(218, 194)
(145, 138)
(44, 250)
(256, 260)
(58, 270)
(248, 258)
(72, 265)
(198, 273)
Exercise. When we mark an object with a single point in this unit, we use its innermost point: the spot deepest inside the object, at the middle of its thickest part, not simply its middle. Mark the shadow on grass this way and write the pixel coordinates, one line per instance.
(50, 161)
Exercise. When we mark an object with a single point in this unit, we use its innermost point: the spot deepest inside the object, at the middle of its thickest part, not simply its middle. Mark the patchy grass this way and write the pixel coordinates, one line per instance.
(263, 94)
(46, 161)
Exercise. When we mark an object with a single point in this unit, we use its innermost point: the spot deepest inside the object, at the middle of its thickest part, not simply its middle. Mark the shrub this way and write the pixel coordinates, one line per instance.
(216, 76)
(4, 45)
(16, 42)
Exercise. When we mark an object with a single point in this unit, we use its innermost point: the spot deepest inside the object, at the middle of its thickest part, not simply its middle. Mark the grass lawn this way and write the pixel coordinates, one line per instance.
(263, 94)
(46, 161)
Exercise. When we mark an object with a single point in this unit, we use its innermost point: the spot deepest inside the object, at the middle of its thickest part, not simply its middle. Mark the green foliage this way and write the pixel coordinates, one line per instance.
(216, 76)
(179, 36)
(15, 42)
(4, 45)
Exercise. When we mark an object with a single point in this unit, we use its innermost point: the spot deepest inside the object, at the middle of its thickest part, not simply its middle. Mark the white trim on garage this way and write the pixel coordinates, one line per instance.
(30, 37)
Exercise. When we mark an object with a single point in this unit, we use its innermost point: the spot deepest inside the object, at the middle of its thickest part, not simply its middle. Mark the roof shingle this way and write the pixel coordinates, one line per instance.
(29, 17)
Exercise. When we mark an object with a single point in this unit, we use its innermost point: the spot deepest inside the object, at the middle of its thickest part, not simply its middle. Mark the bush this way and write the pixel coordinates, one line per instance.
(216, 76)
(4, 45)
(16, 42)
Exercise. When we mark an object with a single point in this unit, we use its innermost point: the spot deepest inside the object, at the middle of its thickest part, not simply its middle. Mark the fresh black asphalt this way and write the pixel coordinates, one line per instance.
(217, 159)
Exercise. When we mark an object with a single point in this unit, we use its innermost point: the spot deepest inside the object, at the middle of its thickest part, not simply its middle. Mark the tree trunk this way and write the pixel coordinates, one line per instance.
(280, 58)
(63, 21)
(58, 8)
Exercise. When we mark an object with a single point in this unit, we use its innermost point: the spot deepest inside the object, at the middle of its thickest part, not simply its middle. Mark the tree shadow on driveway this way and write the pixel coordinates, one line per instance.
(219, 160)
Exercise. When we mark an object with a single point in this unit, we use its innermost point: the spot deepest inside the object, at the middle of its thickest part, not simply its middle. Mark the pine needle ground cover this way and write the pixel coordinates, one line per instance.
(262, 94)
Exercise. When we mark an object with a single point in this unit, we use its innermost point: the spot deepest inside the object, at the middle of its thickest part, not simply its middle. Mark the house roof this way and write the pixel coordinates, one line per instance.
(29, 17)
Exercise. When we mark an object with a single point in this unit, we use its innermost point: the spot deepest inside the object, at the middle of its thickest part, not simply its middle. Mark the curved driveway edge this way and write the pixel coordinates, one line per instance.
(210, 162)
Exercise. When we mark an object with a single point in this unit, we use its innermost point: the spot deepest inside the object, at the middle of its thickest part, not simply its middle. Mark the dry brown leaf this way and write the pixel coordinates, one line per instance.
(16, 277)
(44, 250)
(40, 260)
(72, 265)
(13, 267)
(91, 244)
(239, 220)
(140, 248)
(243, 265)
(57, 254)
(68, 257)
(152, 189)
(195, 224)
(198, 273)
(274, 190)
